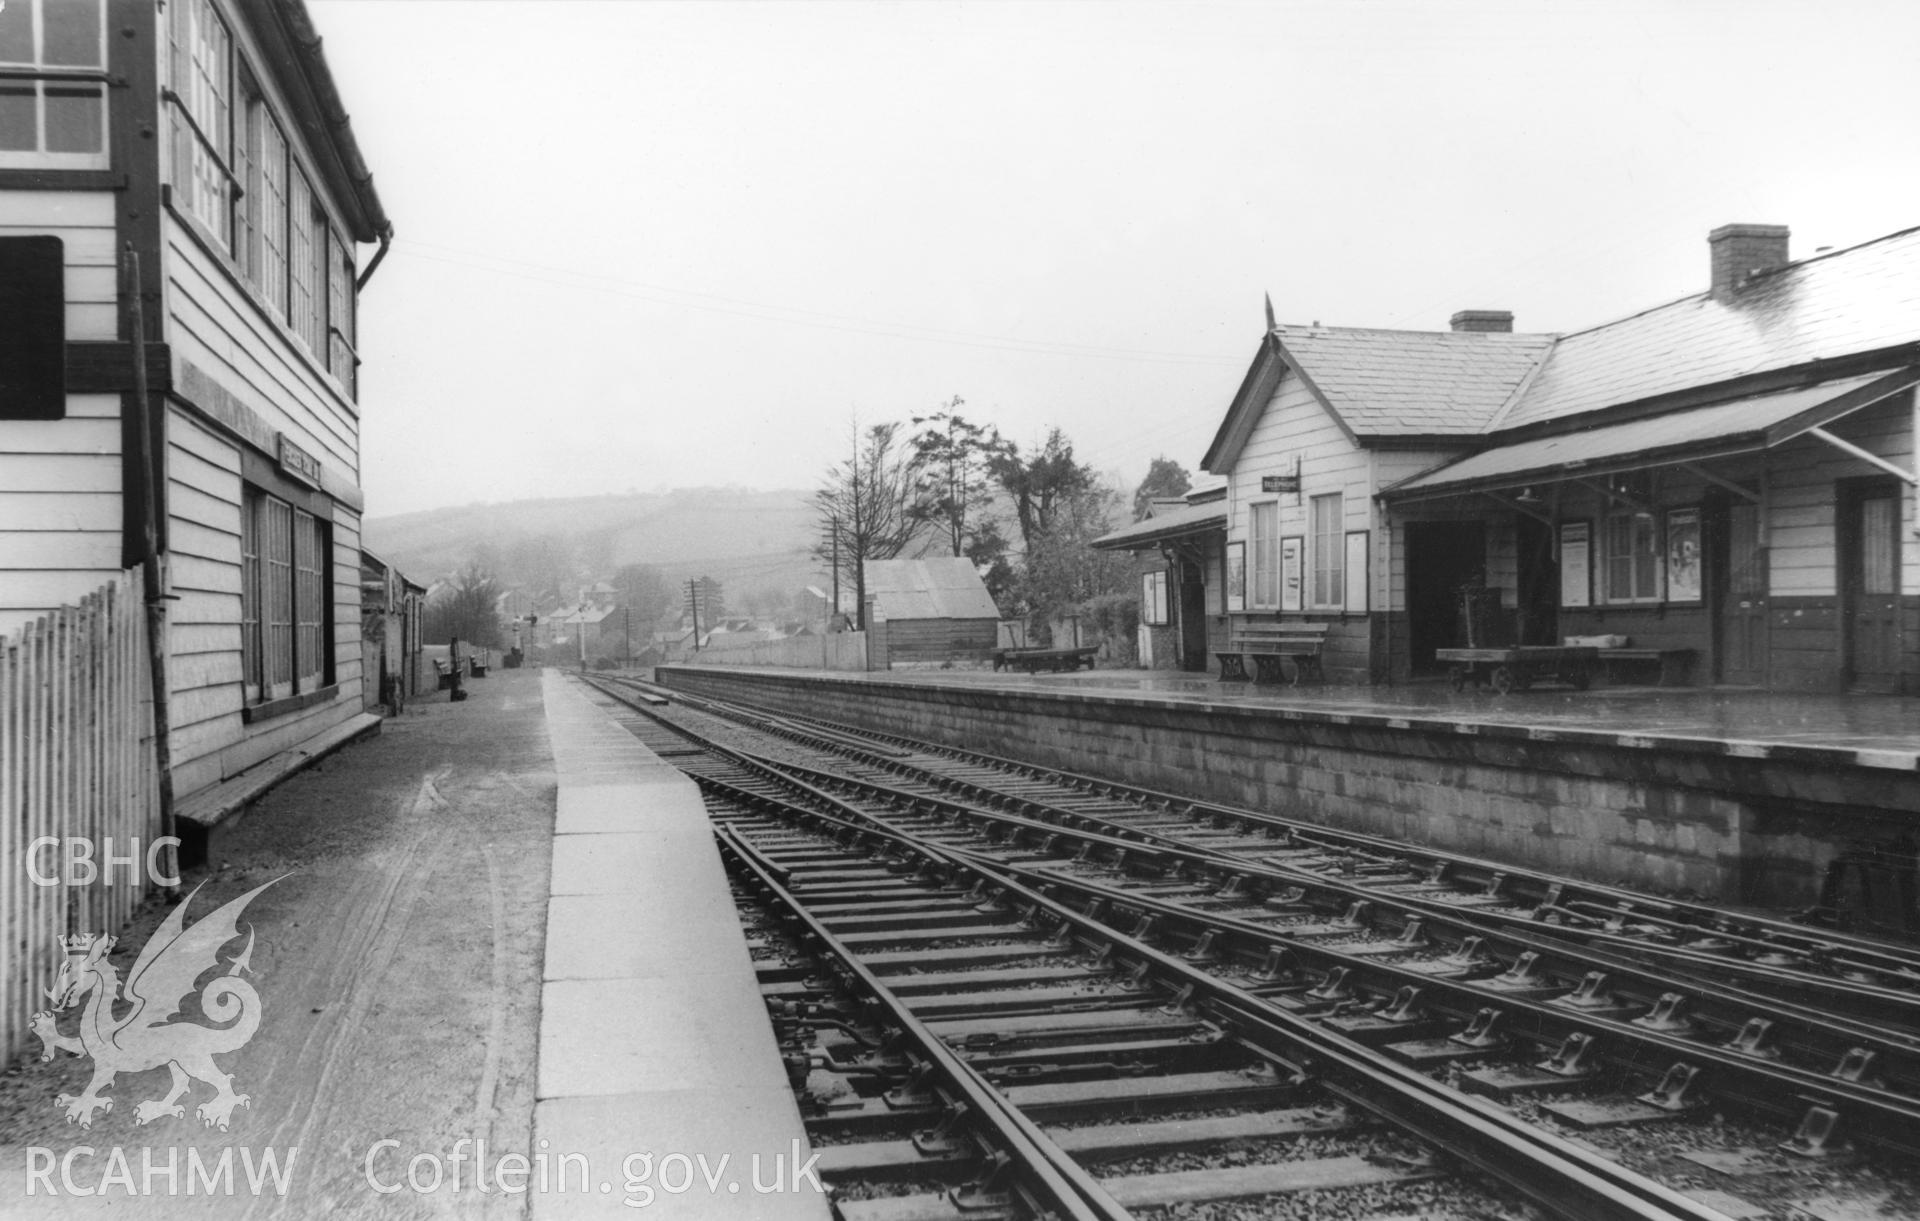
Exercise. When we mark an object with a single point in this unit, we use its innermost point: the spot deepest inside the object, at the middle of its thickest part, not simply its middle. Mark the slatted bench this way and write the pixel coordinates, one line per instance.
(1270, 642)
(1675, 664)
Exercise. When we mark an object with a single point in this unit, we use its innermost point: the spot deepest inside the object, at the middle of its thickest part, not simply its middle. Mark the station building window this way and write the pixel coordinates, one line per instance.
(53, 92)
(237, 175)
(202, 99)
(285, 644)
(1630, 557)
(1329, 524)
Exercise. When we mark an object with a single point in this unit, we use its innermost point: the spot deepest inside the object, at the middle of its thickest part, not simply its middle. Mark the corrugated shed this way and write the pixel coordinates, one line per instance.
(937, 587)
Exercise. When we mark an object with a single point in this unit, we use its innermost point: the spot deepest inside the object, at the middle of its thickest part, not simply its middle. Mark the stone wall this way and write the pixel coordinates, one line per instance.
(1684, 816)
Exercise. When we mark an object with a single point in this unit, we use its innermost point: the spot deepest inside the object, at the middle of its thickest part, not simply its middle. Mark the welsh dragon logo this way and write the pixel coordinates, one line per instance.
(153, 1026)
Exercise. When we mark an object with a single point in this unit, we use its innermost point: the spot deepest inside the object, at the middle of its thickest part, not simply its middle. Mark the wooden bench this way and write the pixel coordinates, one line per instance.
(1031, 660)
(1675, 664)
(1269, 642)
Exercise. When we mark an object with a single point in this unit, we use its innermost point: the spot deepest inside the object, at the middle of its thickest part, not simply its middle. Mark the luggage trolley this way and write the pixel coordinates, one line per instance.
(1516, 668)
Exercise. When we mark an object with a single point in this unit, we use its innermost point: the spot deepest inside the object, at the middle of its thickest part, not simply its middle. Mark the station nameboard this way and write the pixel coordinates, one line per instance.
(297, 462)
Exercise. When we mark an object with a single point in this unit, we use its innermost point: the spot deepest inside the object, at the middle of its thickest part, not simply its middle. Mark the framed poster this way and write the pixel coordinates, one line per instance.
(1576, 563)
(1356, 601)
(1683, 555)
(1290, 552)
(1236, 576)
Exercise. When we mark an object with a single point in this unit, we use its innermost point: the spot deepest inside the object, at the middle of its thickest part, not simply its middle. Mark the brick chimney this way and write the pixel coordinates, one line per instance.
(1484, 321)
(1741, 250)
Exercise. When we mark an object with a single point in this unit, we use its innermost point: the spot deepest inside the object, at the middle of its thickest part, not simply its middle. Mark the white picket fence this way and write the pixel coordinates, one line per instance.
(77, 767)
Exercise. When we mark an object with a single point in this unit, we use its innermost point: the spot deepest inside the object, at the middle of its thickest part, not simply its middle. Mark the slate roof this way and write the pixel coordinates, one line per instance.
(936, 587)
(1856, 300)
(1427, 383)
(1174, 523)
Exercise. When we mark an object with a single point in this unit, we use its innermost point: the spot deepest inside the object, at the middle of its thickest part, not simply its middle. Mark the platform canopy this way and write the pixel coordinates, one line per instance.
(1163, 527)
(1695, 434)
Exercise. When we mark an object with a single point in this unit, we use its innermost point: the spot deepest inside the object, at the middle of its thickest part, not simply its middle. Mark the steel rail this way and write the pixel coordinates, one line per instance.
(1877, 955)
(1814, 1035)
(1057, 1183)
(1437, 918)
(1557, 1176)
(1554, 895)
(1749, 1080)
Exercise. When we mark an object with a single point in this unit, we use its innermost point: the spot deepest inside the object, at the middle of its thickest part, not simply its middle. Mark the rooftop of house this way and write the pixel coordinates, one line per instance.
(1859, 304)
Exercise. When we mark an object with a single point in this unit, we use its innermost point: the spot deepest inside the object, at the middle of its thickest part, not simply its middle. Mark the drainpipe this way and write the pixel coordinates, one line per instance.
(386, 241)
(152, 567)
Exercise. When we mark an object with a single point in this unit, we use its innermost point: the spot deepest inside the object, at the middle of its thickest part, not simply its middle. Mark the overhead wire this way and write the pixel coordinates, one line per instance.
(787, 314)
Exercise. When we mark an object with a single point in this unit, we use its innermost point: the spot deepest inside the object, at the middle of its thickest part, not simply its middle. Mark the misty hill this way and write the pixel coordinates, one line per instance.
(744, 539)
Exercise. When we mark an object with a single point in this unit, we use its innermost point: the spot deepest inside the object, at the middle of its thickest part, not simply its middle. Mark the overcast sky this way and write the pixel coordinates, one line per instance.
(644, 246)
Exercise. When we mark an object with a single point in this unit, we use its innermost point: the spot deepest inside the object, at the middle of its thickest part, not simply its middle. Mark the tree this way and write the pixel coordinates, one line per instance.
(468, 608)
(863, 506)
(647, 596)
(1063, 571)
(953, 477)
(1165, 480)
(1040, 484)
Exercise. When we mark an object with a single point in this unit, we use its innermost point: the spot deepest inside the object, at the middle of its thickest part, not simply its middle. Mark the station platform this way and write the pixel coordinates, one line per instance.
(1874, 731)
(656, 1057)
(1734, 796)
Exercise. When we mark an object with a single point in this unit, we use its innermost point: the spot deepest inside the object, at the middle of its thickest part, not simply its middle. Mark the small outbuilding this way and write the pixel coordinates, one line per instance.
(935, 609)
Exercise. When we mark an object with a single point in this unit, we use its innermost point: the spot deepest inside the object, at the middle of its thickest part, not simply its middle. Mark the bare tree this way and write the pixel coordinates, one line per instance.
(468, 608)
(865, 504)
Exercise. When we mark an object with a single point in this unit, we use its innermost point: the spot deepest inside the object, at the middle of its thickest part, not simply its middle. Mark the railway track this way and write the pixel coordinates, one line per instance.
(1871, 978)
(1031, 931)
(1038, 1064)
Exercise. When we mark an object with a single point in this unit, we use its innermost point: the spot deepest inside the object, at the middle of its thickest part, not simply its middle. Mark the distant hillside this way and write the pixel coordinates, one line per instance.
(739, 537)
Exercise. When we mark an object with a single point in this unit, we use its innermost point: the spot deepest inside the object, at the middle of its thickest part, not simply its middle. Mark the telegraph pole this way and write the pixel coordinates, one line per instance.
(693, 604)
(835, 608)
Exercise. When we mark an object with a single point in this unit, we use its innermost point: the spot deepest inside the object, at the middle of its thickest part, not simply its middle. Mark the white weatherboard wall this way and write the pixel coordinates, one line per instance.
(60, 479)
(1295, 425)
(1801, 514)
(218, 326)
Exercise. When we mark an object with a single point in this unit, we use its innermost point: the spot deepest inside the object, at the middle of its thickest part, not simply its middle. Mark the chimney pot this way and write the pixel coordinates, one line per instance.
(1484, 321)
(1741, 250)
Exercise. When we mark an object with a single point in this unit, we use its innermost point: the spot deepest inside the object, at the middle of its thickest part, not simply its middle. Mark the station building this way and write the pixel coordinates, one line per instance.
(184, 210)
(1726, 481)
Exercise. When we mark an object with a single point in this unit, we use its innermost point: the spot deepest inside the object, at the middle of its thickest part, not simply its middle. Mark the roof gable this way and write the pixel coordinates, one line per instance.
(1413, 383)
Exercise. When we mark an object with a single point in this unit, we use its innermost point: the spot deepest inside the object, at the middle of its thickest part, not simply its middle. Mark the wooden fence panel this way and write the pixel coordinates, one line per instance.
(76, 767)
